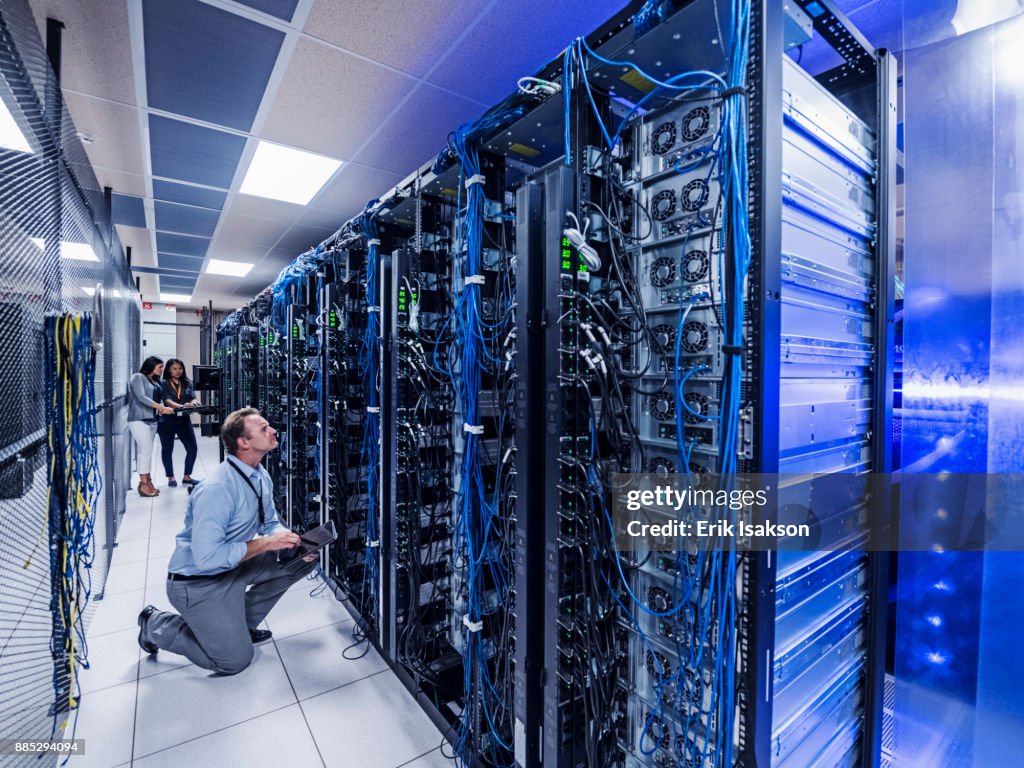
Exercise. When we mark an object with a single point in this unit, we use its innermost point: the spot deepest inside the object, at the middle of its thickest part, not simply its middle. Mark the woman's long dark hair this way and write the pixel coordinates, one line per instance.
(167, 371)
(149, 365)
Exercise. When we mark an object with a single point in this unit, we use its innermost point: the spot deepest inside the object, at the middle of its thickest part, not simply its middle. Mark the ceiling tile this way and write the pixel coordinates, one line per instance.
(95, 57)
(193, 153)
(125, 209)
(528, 33)
(188, 195)
(139, 241)
(207, 63)
(185, 263)
(119, 181)
(409, 35)
(116, 130)
(250, 205)
(247, 234)
(354, 186)
(330, 101)
(181, 244)
(314, 217)
(300, 239)
(282, 9)
(186, 219)
(434, 113)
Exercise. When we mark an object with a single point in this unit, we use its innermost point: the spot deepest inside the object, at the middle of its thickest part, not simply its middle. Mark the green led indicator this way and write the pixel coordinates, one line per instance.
(295, 331)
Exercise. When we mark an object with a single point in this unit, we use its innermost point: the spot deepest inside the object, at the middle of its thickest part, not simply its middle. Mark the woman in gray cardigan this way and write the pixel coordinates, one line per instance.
(144, 406)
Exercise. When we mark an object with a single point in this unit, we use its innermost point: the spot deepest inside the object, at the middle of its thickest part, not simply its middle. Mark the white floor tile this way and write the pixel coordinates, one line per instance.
(435, 759)
(134, 530)
(116, 612)
(131, 552)
(105, 721)
(167, 527)
(297, 612)
(156, 573)
(125, 577)
(372, 722)
(113, 660)
(161, 546)
(190, 702)
(304, 654)
(246, 744)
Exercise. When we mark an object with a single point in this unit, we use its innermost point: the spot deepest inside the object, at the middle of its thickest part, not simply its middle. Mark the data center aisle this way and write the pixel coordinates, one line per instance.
(300, 703)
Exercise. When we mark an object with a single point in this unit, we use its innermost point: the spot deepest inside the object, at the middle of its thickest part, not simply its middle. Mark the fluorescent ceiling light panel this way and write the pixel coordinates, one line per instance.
(11, 136)
(283, 173)
(175, 298)
(76, 251)
(230, 268)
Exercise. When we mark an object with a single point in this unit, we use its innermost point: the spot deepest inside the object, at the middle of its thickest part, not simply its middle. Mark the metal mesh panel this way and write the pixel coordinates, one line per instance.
(57, 249)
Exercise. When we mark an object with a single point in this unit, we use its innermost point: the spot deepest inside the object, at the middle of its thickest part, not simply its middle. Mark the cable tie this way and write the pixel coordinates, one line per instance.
(473, 429)
(373, 544)
(373, 409)
(730, 349)
(373, 308)
(372, 242)
(476, 280)
(476, 178)
(472, 626)
(738, 90)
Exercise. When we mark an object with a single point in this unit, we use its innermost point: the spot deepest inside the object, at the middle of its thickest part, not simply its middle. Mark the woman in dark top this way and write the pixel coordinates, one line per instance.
(177, 393)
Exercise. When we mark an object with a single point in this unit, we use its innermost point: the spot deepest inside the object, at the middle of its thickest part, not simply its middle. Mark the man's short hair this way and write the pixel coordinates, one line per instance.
(233, 427)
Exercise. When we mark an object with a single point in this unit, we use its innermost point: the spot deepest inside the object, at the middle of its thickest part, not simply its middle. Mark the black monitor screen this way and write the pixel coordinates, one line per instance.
(205, 377)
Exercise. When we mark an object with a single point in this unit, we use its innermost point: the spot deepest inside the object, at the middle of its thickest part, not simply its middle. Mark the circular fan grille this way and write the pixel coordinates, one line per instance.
(657, 665)
(663, 407)
(663, 205)
(663, 138)
(663, 272)
(697, 469)
(696, 123)
(694, 195)
(695, 336)
(660, 466)
(698, 403)
(665, 338)
(695, 265)
(685, 752)
(658, 599)
(658, 733)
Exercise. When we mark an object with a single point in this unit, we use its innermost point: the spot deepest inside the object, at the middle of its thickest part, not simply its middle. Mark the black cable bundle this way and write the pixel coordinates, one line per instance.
(74, 485)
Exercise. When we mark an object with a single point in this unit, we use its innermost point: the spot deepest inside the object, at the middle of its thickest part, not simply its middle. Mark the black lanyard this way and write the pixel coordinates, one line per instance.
(259, 496)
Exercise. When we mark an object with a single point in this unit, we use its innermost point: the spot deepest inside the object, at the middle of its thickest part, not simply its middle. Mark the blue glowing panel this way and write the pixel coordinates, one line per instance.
(207, 63)
(177, 284)
(182, 245)
(541, 30)
(185, 219)
(282, 9)
(184, 263)
(193, 153)
(128, 210)
(187, 195)
(434, 113)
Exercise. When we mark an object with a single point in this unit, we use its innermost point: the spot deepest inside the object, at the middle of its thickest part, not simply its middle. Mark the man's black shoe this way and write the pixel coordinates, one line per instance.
(260, 635)
(147, 646)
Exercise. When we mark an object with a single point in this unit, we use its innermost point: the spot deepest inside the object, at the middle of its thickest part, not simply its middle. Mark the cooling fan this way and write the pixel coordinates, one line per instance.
(696, 265)
(660, 466)
(663, 205)
(694, 195)
(665, 339)
(658, 733)
(658, 665)
(695, 336)
(658, 599)
(663, 138)
(696, 123)
(698, 403)
(663, 407)
(663, 272)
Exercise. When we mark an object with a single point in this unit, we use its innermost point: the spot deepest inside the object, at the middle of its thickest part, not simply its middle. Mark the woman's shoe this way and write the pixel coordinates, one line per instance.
(146, 487)
(172, 483)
